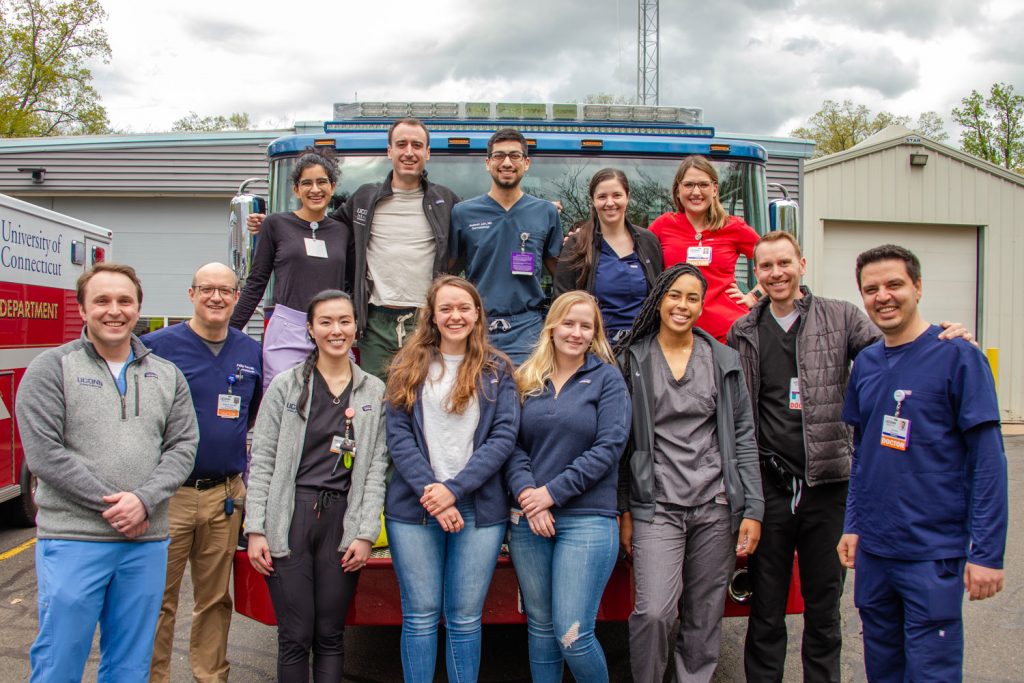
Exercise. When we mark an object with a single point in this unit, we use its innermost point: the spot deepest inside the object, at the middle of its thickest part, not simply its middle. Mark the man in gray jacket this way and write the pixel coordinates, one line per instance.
(796, 351)
(109, 431)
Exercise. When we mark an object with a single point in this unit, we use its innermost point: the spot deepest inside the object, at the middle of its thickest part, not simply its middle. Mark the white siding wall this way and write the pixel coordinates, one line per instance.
(164, 239)
(882, 186)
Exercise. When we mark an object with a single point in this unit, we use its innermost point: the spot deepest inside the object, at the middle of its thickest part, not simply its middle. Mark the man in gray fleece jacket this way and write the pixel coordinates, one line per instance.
(109, 431)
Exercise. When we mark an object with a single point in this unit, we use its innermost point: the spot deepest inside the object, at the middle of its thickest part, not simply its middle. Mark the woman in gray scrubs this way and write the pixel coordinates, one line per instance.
(690, 486)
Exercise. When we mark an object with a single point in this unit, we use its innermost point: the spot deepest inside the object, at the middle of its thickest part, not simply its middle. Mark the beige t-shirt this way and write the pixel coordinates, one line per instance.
(401, 250)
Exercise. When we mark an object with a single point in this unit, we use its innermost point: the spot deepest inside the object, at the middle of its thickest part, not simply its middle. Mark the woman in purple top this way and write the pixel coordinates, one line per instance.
(306, 252)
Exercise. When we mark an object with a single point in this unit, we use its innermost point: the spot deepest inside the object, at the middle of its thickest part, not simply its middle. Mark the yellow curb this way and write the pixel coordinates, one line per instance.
(6, 555)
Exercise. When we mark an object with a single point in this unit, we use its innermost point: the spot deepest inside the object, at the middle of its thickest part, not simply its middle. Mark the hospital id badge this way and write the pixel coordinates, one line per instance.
(794, 394)
(698, 256)
(523, 262)
(229, 406)
(315, 248)
(515, 514)
(895, 432)
(336, 444)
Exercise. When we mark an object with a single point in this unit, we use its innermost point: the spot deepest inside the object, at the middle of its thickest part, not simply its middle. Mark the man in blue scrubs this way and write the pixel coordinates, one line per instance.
(926, 514)
(504, 238)
(222, 366)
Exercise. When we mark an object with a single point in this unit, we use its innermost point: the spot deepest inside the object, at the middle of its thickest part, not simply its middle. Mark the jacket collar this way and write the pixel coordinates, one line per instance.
(725, 360)
(386, 189)
(138, 348)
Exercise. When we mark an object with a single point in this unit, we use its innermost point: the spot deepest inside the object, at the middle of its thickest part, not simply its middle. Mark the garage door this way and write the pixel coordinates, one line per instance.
(949, 264)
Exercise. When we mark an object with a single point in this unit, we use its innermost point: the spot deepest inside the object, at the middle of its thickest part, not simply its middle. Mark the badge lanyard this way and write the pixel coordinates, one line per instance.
(896, 429)
(229, 405)
(314, 247)
(523, 262)
(345, 446)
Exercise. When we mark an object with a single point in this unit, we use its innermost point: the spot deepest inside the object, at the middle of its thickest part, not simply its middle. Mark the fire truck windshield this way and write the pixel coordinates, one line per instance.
(555, 178)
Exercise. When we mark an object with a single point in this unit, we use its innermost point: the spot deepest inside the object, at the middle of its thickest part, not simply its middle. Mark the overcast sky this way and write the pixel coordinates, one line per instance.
(756, 66)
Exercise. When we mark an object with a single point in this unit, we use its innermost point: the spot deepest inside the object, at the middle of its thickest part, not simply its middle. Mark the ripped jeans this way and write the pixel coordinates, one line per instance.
(562, 580)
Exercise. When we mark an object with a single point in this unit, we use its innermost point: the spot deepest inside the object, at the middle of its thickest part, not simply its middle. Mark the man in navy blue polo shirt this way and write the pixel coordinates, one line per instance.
(926, 514)
(504, 238)
(223, 369)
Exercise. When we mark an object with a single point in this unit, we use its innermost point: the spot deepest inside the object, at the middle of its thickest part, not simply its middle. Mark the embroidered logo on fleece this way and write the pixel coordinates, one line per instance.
(90, 382)
(367, 408)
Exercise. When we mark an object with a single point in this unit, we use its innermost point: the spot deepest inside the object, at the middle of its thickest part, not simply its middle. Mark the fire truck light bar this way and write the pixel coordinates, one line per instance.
(519, 111)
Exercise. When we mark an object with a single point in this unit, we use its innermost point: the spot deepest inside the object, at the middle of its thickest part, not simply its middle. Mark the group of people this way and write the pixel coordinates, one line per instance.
(619, 421)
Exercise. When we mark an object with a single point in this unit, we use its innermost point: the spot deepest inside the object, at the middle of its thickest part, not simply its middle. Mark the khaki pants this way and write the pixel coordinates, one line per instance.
(202, 535)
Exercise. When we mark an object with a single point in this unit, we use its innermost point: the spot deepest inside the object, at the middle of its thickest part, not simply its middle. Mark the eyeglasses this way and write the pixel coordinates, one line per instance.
(514, 157)
(306, 183)
(703, 185)
(208, 290)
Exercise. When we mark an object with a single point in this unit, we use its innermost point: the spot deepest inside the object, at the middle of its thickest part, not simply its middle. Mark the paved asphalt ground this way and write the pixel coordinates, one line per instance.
(994, 653)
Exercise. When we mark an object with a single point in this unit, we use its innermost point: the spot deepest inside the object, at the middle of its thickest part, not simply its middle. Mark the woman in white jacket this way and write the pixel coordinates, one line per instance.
(316, 490)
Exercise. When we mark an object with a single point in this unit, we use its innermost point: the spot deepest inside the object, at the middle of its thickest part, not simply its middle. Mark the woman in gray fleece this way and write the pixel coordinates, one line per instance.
(316, 491)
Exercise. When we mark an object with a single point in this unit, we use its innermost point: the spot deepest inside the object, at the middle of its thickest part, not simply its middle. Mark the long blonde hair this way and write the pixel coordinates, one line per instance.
(716, 216)
(540, 366)
(409, 369)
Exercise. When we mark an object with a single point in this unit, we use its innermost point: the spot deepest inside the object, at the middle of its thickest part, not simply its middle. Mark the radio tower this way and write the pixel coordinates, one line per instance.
(647, 53)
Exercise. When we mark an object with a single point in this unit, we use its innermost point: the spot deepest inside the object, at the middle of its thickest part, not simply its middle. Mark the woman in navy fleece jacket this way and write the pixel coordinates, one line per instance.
(452, 418)
(564, 475)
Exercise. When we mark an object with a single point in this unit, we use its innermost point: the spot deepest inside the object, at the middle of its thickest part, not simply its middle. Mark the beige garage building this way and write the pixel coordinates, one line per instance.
(962, 216)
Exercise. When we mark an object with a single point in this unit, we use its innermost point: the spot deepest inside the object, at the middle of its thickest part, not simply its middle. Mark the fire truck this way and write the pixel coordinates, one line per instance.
(568, 143)
(42, 253)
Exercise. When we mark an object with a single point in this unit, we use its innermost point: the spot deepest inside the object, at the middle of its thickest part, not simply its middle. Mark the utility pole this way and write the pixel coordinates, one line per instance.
(647, 53)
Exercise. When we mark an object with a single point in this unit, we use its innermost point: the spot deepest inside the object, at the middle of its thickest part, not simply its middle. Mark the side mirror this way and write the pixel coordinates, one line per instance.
(784, 214)
(241, 243)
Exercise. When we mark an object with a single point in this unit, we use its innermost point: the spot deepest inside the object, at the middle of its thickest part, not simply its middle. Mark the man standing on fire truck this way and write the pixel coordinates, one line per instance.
(223, 368)
(505, 239)
(109, 431)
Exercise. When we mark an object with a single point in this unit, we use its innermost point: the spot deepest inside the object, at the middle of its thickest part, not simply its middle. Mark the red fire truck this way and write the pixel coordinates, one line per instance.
(42, 253)
(568, 143)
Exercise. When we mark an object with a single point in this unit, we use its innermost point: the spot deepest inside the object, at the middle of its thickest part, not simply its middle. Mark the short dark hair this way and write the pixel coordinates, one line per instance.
(316, 156)
(118, 268)
(408, 121)
(505, 135)
(890, 252)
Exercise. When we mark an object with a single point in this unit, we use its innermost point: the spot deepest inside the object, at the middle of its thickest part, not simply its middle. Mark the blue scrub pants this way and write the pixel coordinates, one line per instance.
(118, 584)
(515, 335)
(911, 613)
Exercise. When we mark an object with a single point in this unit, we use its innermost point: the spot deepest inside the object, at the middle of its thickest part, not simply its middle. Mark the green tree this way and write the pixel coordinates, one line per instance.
(44, 84)
(194, 124)
(838, 126)
(992, 127)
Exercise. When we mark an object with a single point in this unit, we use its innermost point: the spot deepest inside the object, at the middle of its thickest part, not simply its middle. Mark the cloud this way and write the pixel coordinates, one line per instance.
(916, 18)
(878, 69)
(804, 45)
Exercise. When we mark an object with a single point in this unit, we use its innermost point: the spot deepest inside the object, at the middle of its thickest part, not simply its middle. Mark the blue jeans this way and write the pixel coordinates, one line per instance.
(449, 573)
(119, 584)
(562, 580)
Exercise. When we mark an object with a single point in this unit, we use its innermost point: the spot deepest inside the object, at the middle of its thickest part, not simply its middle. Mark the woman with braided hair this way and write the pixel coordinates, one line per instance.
(689, 482)
(307, 252)
(316, 490)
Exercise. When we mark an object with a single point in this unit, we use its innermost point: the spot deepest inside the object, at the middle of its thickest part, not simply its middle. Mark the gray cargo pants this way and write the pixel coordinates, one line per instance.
(688, 552)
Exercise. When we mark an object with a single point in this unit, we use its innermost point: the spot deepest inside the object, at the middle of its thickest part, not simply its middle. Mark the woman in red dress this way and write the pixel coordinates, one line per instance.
(702, 234)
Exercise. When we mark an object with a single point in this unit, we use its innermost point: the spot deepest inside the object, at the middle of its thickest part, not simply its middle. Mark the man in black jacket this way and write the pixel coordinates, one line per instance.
(400, 228)
(796, 351)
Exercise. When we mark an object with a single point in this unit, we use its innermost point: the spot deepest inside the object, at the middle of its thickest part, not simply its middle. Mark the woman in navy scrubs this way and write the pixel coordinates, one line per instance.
(608, 256)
